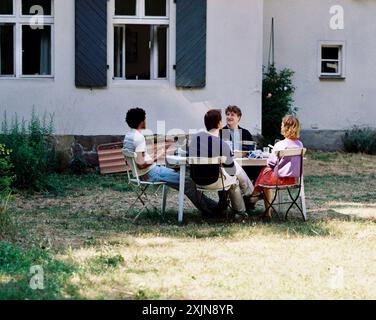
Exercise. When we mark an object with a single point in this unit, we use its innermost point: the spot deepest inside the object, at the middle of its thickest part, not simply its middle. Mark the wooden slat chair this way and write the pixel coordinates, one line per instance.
(299, 185)
(111, 158)
(140, 187)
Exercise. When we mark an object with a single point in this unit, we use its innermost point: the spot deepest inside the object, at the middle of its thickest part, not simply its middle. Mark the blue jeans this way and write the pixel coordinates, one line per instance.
(159, 173)
(172, 178)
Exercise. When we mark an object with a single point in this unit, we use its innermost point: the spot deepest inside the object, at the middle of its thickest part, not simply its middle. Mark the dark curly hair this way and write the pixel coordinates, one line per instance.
(134, 117)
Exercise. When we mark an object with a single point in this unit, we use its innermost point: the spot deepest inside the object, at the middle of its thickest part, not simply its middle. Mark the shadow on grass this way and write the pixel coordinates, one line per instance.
(197, 228)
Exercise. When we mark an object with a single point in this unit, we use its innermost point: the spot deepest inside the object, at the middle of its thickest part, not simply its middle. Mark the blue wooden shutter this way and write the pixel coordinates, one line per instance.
(91, 43)
(191, 43)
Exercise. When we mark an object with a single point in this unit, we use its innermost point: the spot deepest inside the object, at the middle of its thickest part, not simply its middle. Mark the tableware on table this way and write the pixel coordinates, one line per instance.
(249, 145)
(256, 154)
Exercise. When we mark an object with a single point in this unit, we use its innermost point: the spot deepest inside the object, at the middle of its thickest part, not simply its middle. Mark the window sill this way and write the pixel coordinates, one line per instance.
(327, 77)
(44, 78)
(140, 83)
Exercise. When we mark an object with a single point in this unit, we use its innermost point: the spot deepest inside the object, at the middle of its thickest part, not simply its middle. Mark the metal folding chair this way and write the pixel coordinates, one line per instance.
(219, 185)
(140, 187)
(299, 186)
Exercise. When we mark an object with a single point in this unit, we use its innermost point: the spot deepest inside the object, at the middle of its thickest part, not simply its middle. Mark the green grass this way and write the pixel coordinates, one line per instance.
(94, 250)
(15, 269)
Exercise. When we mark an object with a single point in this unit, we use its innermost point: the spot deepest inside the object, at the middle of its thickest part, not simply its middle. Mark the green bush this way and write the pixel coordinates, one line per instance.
(33, 154)
(6, 177)
(361, 140)
(277, 101)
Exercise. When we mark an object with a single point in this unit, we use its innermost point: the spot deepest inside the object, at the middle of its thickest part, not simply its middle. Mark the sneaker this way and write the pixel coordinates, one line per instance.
(240, 216)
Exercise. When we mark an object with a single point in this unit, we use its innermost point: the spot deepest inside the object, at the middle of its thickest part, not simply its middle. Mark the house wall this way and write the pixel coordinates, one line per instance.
(234, 59)
(326, 104)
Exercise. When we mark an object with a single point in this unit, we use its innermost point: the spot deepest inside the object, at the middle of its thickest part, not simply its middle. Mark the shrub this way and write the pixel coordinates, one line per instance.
(6, 177)
(33, 154)
(360, 140)
(277, 101)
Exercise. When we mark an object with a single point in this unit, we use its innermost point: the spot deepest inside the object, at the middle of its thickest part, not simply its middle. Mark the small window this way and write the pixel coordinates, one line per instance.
(155, 8)
(125, 7)
(331, 61)
(7, 50)
(6, 7)
(36, 50)
(29, 7)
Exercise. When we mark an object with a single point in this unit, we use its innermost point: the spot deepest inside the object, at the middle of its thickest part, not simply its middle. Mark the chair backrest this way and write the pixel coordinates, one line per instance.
(205, 160)
(291, 154)
(205, 171)
(130, 157)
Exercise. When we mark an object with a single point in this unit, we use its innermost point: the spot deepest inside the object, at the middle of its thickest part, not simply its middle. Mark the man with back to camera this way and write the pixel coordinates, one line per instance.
(209, 144)
(148, 170)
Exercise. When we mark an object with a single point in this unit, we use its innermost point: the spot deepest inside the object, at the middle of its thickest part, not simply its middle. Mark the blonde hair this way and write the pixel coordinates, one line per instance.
(290, 127)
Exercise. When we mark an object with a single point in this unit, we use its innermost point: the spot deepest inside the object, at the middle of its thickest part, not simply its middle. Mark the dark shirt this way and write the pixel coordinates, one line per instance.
(205, 145)
(226, 134)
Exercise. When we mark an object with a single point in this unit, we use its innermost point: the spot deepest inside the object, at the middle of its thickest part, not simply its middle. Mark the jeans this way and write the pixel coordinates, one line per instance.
(172, 178)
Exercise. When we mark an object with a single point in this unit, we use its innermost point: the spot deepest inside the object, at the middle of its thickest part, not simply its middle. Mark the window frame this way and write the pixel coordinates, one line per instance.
(141, 19)
(341, 74)
(18, 20)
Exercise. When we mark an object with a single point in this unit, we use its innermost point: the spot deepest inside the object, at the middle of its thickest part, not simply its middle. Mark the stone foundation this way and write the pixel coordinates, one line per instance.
(324, 140)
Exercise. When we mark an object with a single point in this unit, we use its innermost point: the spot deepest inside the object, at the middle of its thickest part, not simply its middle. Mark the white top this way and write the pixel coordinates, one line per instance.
(134, 141)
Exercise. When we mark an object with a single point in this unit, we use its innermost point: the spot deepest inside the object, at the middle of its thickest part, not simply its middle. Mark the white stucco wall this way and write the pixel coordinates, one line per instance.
(299, 26)
(234, 60)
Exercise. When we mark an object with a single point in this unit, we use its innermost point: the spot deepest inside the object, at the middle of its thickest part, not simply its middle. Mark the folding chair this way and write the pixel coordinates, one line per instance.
(207, 174)
(140, 187)
(299, 185)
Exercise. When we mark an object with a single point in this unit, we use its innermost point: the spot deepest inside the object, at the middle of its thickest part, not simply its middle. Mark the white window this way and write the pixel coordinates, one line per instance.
(141, 33)
(332, 60)
(26, 38)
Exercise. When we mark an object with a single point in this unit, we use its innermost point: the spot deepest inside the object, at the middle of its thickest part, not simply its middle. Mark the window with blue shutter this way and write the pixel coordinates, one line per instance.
(91, 43)
(191, 43)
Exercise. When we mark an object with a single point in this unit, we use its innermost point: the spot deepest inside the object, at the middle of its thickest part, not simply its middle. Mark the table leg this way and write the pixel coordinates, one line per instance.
(181, 193)
(302, 197)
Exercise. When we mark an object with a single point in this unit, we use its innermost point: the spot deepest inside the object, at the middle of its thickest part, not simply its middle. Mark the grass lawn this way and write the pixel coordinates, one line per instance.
(89, 248)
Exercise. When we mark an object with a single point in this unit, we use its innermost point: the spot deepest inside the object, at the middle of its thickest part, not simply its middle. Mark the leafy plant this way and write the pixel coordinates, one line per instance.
(361, 140)
(277, 101)
(33, 154)
(6, 177)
